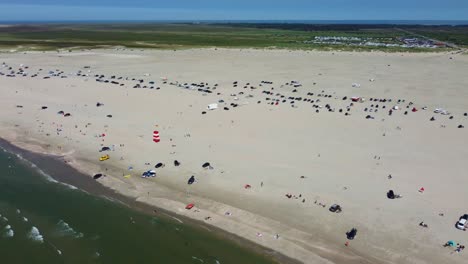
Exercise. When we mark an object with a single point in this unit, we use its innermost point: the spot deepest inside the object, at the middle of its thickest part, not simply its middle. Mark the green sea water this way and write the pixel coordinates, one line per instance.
(47, 222)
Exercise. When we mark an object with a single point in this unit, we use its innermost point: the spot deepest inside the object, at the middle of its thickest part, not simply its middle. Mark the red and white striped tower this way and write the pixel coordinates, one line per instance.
(156, 138)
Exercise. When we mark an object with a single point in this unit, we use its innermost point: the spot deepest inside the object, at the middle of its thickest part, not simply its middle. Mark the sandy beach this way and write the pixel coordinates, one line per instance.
(293, 132)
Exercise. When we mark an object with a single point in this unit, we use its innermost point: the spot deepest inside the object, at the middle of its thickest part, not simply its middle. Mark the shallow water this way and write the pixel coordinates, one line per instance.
(43, 221)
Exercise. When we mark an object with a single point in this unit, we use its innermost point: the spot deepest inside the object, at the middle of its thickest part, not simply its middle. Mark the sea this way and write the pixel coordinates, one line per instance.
(45, 221)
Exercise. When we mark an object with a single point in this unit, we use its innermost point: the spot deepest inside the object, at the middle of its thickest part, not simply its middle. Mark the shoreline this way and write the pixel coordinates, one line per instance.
(293, 146)
(55, 168)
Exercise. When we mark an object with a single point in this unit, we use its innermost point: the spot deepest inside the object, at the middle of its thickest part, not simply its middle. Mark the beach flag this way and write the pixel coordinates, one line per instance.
(156, 138)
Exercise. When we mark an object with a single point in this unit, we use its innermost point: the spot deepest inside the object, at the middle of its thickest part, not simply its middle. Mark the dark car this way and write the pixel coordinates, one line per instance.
(351, 234)
(335, 208)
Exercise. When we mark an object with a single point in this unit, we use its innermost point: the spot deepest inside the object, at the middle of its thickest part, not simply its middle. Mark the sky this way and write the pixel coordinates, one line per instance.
(60, 10)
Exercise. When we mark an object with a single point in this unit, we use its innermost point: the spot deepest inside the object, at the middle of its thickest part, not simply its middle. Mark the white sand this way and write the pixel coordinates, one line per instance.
(345, 159)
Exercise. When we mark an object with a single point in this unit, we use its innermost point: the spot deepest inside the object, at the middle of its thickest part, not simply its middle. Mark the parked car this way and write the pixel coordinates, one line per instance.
(336, 208)
(103, 158)
(351, 234)
(463, 222)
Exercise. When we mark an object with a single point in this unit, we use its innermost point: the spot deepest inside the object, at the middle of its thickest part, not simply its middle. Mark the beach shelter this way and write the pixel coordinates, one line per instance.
(156, 138)
(451, 243)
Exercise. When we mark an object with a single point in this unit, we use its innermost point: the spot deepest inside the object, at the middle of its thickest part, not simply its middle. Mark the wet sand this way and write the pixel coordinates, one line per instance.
(55, 167)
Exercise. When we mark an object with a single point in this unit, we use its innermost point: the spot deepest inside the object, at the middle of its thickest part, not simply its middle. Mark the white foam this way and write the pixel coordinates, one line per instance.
(201, 260)
(5, 219)
(9, 233)
(25, 219)
(46, 176)
(69, 186)
(18, 211)
(35, 235)
(8, 227)
(64, 229)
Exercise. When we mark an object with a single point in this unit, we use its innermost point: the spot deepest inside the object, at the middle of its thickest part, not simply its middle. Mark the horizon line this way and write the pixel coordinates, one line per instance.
(254, 21)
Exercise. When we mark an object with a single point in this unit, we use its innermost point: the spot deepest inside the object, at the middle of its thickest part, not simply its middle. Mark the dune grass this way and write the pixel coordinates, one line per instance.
(177, 36)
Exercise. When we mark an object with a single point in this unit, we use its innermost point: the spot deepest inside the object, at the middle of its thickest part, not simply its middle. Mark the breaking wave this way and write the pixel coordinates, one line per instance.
(45, 175)
(64, 229)
(195, 258)
(8, 231)
(35, 235)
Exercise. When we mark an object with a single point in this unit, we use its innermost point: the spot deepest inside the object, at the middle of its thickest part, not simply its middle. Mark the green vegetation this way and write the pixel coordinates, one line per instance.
(177, 36)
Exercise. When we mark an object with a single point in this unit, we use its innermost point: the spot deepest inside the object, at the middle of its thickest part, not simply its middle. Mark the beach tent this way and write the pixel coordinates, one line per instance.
(105, 149)
(390, 194)
(159, 165)
(451, 243)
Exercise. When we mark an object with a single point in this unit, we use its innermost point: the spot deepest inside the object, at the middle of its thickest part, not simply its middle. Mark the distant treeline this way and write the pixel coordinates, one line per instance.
(338, 27)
